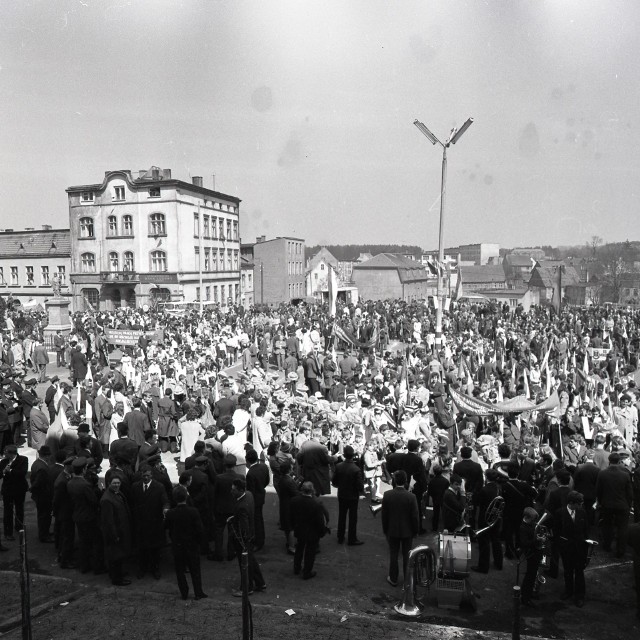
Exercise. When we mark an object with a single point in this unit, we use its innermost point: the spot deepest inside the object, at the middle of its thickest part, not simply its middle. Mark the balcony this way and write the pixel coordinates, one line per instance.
(107, 277)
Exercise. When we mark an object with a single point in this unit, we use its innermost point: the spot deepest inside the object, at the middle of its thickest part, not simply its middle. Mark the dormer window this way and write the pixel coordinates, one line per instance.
(154, 192)
(118, 193)
(86, 196)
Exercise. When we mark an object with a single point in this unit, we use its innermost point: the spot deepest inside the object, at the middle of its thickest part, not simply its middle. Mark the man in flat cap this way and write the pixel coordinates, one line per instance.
(13, 471)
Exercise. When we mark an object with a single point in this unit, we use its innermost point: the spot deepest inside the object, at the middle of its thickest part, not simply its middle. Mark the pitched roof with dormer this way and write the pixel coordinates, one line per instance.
(36, 243)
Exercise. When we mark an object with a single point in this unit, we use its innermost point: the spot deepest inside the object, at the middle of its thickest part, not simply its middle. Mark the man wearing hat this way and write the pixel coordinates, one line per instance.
(350, 484)
(223, 505)
(50, 397)
(40, 360)
(13, 472)
(29, 399)
(42, 492)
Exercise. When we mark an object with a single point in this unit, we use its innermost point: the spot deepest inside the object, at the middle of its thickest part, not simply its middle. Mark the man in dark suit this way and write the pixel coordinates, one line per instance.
(308, 521)
(526, 466)
(453, 504)
(50, 397)
(614, 493)
(314, 460)
(570, 529)
(223, 505)
(42, 492)
(585, 480)
(413, 465)
(489, 541)
(79, 365)
(350, 484)
(13, 471)
(186, 533)
(243, 531)
(257, 482)
(400, 524)
(93, 445)
(149, 504)
(471, 473)
(200, 488)
(395, 460)
(124, 449)
(85, 499)
(64, 528)
(115, 524)
(138, 422)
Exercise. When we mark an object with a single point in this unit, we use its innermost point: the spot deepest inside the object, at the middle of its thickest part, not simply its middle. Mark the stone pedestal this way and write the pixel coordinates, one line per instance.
(58, 310)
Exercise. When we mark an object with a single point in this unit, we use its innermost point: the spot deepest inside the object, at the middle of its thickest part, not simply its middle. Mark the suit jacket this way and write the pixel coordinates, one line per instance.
(39, 425)
(115, 523)
(244, 518)
(569, 533)
(472, 474)
(585, 479)
(614, 489)
(29, 400)
(126, 449)
(395, 461)
(348, 480)
(103, 413)
(400, 516)
(557, 498)
(14, 476)
(41, 485)
(223, 501)
(315, 460)
(40, 355)
(185, 527)
(79, 365)
(527, 470)
(257, 481)
(414, 466)
(307, 518)
(148, 513)
(138, 423)
(85, 501)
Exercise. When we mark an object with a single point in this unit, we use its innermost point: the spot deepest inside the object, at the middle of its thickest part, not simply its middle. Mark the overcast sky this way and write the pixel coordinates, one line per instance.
(304, 110)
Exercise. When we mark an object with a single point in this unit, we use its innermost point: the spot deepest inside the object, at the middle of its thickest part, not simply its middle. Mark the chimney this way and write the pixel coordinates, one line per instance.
(260, 239)
(155, 173)
(166, 174)
(197, 181)
(29, 229)
(46, 227)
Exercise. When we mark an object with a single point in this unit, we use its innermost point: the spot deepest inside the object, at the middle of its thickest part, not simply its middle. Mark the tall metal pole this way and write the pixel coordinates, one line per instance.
(246, 615)
(25, 587)
(200, 259)
(441, 247)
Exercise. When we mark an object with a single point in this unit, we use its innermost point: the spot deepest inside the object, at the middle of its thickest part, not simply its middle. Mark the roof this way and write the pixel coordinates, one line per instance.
(146, 182)
(516, 292)
(323, 254)
(548, 277)
(408, 270)
(36, 243)
(518, 260)
(389, 261)
(481, 273)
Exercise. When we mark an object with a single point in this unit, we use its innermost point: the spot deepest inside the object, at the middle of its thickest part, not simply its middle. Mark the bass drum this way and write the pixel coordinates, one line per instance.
(455, 556)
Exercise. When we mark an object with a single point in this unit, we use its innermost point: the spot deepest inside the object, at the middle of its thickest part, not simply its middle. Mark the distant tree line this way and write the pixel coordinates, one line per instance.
(352, 251)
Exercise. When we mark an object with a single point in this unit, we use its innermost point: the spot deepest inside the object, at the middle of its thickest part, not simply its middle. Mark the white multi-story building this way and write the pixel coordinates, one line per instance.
(137, 241)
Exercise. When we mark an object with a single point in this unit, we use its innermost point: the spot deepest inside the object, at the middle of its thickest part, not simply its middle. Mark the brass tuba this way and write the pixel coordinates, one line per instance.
(493, 514)
(421, 572)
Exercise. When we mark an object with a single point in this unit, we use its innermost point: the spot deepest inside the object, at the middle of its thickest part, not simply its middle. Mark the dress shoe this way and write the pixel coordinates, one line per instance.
(122, 583)
(355, 543)
(566, 596)
(308, 576)
(237, 593)
(200, 596)
(579, 603)
(479, 570)
(291, 551)
(391, 582)
(262, 587)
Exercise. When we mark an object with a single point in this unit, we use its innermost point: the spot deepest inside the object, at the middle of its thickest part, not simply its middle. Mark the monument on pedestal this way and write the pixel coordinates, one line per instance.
(57, 310)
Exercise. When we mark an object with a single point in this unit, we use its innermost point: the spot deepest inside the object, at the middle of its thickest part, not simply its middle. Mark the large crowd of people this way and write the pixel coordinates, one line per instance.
(537, 408)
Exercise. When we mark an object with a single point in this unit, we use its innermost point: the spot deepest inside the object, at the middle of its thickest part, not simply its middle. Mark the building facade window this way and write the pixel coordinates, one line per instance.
(235, 260)
(114, 261)
(214, 259)
(228, 265)
(215, 293)
(127, 225)
(158, 261)
(88, 262)
(112, 226)
(44, 276)
(91, 298)
(214, 227)
(221, 228)
(244, 281)
(86, 228)
(205, 226)
(198, 294)
(196, 251)
(235, 229)
(207, 293)
(207, 260)
(229, 236)
(62, 273)
(2, 281)
(128, 262)
(157, 225)
(222, 294)
(196, 225)
(161, 295)
(118, 193)
(249, 280)
(154, 192)
(87, 196)
(14, 276)
(29, 274)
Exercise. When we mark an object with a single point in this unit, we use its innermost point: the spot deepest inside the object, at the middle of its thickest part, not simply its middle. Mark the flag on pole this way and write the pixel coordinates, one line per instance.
(527, 393)
(585, 364)
(332, 281)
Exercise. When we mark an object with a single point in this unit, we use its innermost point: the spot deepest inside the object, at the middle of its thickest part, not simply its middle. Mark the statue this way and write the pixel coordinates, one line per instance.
(56, 284)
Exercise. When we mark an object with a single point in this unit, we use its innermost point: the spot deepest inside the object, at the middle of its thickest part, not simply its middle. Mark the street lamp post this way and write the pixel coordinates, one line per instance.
(454, 136)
